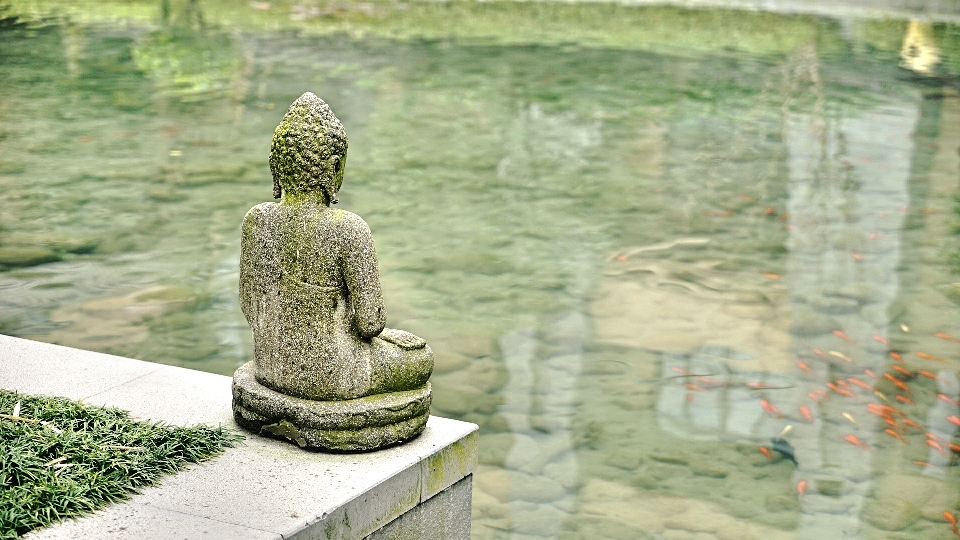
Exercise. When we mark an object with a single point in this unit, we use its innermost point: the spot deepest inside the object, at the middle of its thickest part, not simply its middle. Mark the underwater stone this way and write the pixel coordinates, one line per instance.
(807, 322)
(709, 469)
(326, 374)
(26, 256)
(891, 514)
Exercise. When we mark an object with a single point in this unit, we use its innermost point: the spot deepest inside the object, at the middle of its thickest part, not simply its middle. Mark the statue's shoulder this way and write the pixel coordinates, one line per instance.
(351, 229)
(349, 220)
(260, 211)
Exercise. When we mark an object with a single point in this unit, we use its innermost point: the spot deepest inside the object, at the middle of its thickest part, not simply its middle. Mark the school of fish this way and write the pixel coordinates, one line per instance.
(893, 410)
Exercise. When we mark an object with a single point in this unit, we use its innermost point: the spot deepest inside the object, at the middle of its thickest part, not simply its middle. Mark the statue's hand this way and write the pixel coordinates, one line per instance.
(404, 340)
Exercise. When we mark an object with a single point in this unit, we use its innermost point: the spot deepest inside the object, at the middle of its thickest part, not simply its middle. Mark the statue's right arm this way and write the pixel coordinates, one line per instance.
(248, 287)
(363, 277)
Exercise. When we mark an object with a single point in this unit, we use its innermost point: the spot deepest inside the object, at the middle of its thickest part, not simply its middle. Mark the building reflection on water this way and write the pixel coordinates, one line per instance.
(869, 192)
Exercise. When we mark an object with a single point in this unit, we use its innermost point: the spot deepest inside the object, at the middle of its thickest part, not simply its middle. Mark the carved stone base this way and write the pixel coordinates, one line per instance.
(354, 425)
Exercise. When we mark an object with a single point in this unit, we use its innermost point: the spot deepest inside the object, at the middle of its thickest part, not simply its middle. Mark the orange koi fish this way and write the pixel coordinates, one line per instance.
(952, 520)
(766, 451)
(955, 420)
(926, 356)
(877, 409)
(852, 439)
(897, 382)
(936, 446)
(896, 356)
(758, 385)
(911, 423)
(955, 448)
(841, 391)
(679, 370)
(895, 435)
(695, 388)
(689, 397)
(858, 382)
(818, 352)
(880, 339)
(802, 487)
(805, 411)
(856, 256)
(843, 336)
(884, 410)
(947, 337)
(948, 399)
(903, 371)
(870, 373)
(771, 409)
(927, 374)
(928, 464)
(905, 399)
(802, 365)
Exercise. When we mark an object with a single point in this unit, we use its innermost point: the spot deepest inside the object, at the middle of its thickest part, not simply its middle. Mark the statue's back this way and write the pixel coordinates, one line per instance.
(296, 299)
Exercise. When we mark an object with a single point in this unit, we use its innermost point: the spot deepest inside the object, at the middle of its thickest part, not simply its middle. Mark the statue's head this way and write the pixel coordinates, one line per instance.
(309, 149)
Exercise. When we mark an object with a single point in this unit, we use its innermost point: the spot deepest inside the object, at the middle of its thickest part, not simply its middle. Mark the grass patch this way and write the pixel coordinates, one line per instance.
(61, 459)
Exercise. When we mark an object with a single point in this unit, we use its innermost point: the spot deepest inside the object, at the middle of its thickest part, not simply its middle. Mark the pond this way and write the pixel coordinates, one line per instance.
(695, 273)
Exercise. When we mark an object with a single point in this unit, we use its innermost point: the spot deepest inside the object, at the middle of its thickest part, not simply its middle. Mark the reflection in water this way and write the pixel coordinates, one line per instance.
(920, 52)
(540, 397)
(848, 194)
(637, 267)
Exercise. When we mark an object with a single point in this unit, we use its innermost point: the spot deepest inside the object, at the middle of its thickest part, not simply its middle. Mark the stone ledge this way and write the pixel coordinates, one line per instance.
(261, 489)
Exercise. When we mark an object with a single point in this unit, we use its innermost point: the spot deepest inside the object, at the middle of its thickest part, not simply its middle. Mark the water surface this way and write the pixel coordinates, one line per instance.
(641, 241)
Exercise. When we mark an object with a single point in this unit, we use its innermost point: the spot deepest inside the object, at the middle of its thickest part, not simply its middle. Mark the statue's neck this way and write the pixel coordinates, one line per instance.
(313, 198)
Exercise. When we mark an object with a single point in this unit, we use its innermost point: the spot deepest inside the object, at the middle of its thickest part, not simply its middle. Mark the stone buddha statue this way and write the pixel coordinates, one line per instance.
(326, 374)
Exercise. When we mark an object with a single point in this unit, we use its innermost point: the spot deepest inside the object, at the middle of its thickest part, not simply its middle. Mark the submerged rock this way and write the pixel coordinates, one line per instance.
(890, 513)
(20, 256)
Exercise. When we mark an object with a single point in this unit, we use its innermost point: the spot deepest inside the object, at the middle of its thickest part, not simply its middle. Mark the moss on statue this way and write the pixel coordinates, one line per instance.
(326, 373)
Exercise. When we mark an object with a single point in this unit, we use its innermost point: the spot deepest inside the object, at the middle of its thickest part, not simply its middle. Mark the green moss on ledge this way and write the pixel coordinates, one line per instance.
(62, 459)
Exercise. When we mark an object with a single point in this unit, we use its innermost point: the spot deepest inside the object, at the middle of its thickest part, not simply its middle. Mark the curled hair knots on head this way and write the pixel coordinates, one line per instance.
(308, 135)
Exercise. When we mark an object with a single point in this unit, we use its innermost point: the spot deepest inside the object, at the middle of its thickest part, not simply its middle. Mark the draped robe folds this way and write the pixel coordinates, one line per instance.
(310, 290)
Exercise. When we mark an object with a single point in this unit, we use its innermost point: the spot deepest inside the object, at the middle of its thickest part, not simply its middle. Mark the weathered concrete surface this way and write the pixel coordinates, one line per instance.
(261, 489)
(441, 516)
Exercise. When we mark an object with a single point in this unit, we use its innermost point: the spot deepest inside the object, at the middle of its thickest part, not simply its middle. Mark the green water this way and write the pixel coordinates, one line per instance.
(619, 228)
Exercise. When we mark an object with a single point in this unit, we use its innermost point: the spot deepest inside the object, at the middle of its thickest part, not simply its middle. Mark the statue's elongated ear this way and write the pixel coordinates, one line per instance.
(331, 195)
(331, 186)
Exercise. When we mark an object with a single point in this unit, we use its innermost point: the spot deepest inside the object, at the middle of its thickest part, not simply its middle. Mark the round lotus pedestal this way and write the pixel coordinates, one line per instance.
(353, 425)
